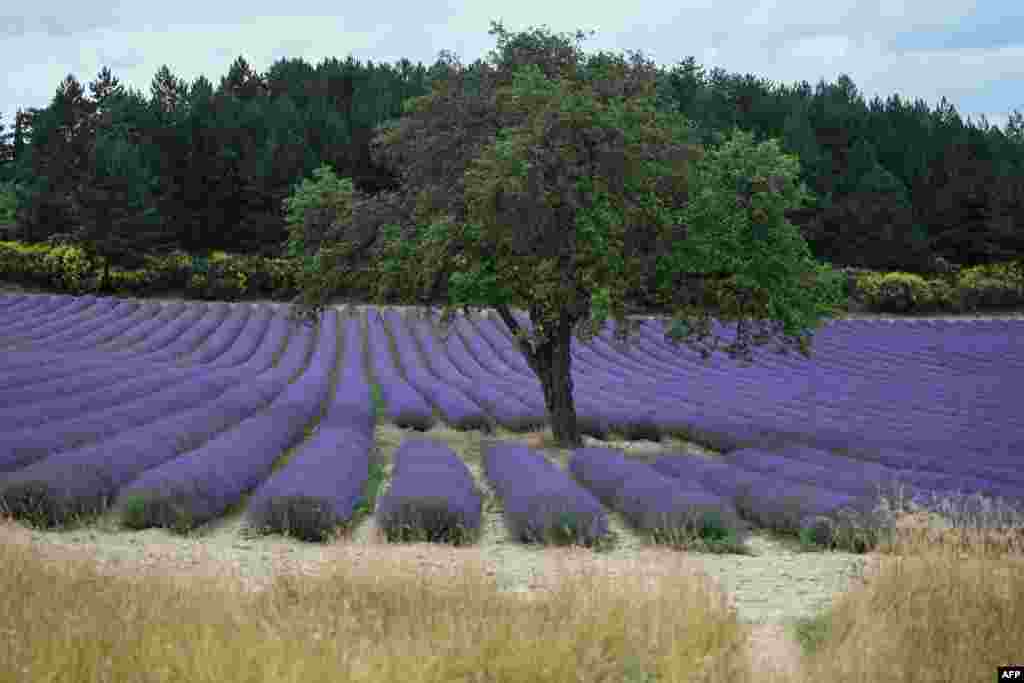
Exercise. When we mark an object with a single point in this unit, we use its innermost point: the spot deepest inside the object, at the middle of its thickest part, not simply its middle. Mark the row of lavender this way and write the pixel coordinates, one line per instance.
(184, 434)
(834, 401)
(211, 497)
(881, 394)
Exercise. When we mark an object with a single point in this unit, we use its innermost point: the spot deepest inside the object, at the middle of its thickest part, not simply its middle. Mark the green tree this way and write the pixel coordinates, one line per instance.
(553, 203)
(118, 220)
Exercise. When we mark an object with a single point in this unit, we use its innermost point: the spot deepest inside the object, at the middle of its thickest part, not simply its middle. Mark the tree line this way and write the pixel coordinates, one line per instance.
(199, 168)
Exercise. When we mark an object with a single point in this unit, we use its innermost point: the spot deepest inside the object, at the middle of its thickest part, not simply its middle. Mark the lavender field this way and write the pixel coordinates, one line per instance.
(173, 415)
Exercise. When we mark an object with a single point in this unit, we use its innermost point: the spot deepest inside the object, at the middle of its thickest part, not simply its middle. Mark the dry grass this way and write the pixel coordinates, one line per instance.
(936, 607)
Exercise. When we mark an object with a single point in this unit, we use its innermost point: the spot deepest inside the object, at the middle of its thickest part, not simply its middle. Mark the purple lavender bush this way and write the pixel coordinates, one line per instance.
(542, 503)
(432, 497)
(318, 490)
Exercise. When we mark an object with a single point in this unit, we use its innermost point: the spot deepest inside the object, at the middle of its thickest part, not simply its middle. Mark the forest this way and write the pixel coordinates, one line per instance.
(202, 168)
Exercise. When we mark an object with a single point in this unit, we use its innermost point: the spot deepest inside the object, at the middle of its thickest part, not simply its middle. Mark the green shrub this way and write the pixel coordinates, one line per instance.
(132, 282)
(893, 292)
(225, 281)
(67, 267)
(991, 285)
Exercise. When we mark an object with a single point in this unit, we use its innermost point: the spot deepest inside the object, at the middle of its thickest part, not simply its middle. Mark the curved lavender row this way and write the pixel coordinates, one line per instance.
(223, 337)
(186, 342)
(70, 382)
(30, 301)
(190, 340)
(597, 411)
(82, 481)
(763, 499)
(73, 306)
(31, 307)
(652, 503)
(921, 475)
(61, 334)
(677, 391)
(11, 299)
(107, 413)
(541, 502)
(862, 347)
(404, 406)
(638, 356)
(600, 408)
(615, 378)
(604, 406)
(200, 485)
(318, 490)
(232, 323)
(480, 361)
(322, 483)
(352, 404)
(146, 312)
(432, 495)
(458, 409)
(170, 313)
(718, 396)
(106, 388)
(154, 399)
(21, 448)
(508, 412)
(913, 425)
(160, 340)
(971, 341)
(460, 355)
(756, 377)
(35, 367)
(90, 378)
(823, 473)
(944, 391)
(164, 337)
(241, 348)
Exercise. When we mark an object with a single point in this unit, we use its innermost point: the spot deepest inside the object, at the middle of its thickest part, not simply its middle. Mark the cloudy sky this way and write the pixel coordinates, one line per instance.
(971, 52)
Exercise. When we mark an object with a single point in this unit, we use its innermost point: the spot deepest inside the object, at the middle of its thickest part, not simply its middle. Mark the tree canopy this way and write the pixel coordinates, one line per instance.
(552, 203)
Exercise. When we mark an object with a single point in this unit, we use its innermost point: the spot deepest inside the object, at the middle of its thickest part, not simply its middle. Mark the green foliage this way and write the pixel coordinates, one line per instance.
(905, 292)
(736, 227)
(169, 271)
(8, 203)
(552, 204)
(324, 192)
(132, 282)
(68, 266)
(223, 280)
(543, 266)
(999, 284)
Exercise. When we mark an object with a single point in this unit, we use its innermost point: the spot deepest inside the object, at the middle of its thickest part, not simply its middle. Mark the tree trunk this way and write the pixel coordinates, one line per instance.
(552, 363)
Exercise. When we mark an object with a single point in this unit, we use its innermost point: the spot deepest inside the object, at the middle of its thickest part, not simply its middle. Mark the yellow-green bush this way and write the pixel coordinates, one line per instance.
(1000, 284)
(132, 282)
(196, 287)
(894, 292)
(169, 272)
(67, 267)
(258, 279)
(19, 263)
(283, 274)
(225, 280)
